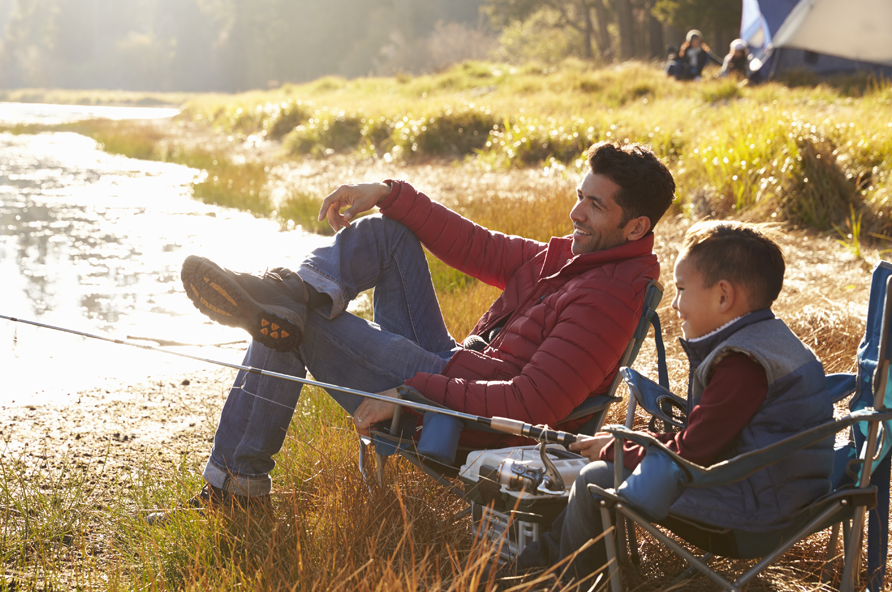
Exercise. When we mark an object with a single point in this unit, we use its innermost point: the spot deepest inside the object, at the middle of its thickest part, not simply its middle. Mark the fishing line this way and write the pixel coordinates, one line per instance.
(501, 424)
(242, 388)
(248, 369)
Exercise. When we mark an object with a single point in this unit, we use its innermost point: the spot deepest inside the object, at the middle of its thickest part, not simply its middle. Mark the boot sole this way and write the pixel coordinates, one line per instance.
(222, 300)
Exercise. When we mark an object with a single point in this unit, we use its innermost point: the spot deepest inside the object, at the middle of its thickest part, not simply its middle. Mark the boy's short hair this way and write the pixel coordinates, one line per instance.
(646, 187)
(739, 253)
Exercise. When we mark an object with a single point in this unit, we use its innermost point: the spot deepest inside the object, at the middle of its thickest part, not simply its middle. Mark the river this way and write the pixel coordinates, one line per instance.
(94, 242)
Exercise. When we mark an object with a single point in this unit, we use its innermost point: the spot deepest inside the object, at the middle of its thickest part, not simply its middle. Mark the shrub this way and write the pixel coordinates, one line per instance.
(300, 208)
(449, 133)
(724, 90)
(530, 141)
(325, 133)
(280, 118)
(240, 186)
(378, 135)
(816, 192)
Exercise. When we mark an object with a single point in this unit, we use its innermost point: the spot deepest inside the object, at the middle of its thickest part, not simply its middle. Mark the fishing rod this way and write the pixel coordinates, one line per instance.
(499, 424)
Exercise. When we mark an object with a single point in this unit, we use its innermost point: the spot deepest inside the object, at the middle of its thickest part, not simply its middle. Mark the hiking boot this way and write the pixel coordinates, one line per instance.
(213, 498)
(271, 307)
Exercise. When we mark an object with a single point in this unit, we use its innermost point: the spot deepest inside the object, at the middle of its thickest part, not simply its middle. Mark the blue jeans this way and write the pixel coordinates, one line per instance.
(576, 525)
(408, 336)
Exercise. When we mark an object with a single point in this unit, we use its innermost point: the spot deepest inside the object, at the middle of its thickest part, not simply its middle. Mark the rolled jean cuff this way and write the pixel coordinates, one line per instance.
(238, 484)
(325, 285)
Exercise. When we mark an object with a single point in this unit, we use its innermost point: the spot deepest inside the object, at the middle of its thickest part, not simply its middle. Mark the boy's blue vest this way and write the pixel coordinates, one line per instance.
(797, 400)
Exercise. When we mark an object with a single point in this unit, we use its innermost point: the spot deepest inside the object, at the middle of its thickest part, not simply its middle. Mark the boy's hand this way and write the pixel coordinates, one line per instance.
(356, 198)
(590, 446)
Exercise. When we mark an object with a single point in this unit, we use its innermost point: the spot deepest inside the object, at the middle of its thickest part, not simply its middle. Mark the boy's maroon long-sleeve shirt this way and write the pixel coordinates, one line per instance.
(735, 392)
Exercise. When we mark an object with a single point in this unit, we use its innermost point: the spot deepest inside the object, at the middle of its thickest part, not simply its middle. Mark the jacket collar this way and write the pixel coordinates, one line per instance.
(559, 257)
(698, 349)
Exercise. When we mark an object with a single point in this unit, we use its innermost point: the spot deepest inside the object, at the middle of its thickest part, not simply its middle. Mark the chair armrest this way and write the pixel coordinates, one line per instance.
(656, 399)
(744, 465)
(407, 393)
(841, 386)
(591, 406)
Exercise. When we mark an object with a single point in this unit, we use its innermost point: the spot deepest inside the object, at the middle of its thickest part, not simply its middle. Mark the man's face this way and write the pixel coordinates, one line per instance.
(596, 216)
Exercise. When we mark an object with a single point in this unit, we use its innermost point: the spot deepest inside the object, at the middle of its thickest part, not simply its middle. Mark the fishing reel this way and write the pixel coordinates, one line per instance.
(519, 475)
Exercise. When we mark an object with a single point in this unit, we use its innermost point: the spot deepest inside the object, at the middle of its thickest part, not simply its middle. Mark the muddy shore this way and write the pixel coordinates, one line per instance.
(109, 430)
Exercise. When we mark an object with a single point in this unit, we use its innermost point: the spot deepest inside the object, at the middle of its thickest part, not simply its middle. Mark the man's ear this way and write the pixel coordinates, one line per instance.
(637, 228)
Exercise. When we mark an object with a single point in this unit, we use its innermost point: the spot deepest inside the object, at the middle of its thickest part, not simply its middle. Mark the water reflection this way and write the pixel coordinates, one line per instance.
(95, 242)
(29, 113)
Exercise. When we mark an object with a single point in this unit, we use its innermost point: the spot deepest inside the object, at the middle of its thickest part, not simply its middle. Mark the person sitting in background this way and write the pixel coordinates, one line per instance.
(691, 59)
(752, 383)
(737, 62)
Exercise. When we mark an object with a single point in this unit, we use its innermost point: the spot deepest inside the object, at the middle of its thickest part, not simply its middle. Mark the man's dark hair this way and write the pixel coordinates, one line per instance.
(646, 187)
(738, 253)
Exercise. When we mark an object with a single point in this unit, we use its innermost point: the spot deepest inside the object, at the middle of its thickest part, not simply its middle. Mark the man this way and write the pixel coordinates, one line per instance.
(554, 336)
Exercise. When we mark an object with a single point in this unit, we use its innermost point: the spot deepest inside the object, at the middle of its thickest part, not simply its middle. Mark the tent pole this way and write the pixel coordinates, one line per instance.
(774, 64)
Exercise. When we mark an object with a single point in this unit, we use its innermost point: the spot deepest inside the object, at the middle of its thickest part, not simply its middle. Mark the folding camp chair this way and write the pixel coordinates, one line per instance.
(397, 440)
(854, 490)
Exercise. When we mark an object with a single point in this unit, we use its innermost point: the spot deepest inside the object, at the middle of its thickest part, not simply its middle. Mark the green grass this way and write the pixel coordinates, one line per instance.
(795, 152)
(799, 153)
(121, 98)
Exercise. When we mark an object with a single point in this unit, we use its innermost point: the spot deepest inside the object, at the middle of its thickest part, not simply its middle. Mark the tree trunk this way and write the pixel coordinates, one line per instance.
(655, 34)
(603, 36)
(626, 29)
(586, 11)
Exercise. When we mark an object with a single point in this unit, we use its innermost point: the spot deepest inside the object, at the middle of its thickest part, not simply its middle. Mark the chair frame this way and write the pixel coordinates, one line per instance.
(846, 506)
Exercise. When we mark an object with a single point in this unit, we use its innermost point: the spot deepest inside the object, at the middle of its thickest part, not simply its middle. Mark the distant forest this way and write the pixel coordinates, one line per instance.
(236, 45)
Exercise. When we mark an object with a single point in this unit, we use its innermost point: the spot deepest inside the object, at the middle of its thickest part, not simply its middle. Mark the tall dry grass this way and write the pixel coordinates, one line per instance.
(329, 529)
(733, 150)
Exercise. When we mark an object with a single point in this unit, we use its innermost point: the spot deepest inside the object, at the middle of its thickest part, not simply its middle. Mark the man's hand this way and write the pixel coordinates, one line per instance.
(371, 411)
(356, 198)
(590, 446)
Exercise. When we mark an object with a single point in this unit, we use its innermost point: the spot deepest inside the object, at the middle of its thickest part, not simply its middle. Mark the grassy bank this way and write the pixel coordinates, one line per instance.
(329, 530)
(121, 98)
(804, 154)
(812, 156)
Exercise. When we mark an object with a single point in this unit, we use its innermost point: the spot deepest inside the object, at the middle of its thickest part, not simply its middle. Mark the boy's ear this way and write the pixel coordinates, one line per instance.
(728, 295)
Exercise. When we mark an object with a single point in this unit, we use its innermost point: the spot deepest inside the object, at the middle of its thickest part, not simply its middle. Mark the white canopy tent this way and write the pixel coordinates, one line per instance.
(858, 30)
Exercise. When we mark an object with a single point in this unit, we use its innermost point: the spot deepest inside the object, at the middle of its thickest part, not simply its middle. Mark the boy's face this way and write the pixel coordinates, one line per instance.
(698, 307)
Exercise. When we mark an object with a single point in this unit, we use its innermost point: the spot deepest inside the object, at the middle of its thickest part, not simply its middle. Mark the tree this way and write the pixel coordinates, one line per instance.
(626, 29)
(717, 16)
(207, 45)
(588, 18)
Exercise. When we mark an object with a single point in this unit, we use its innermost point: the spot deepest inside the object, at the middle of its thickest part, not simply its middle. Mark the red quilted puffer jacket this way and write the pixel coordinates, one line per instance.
(570, 321)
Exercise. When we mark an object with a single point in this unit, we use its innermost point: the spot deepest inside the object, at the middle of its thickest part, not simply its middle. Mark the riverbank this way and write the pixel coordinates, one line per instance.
(76, 479)
(328, 530)
(112, 98)
(817, 157)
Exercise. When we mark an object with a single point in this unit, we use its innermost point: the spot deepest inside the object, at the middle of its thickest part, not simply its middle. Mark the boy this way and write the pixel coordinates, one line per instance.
(752, 383)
